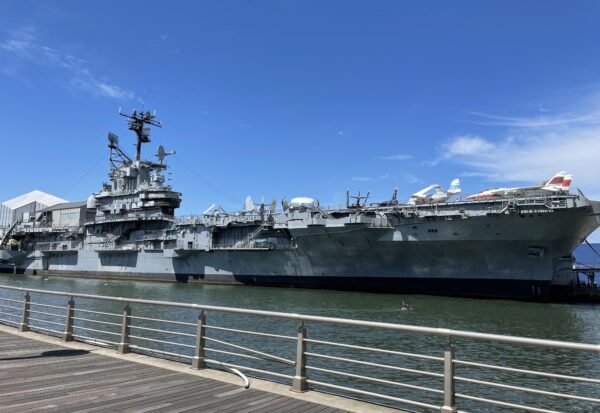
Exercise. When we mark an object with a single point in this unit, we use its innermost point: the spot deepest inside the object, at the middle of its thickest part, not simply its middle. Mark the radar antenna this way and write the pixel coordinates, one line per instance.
(137, 120)
(161, 154)
(117, 154)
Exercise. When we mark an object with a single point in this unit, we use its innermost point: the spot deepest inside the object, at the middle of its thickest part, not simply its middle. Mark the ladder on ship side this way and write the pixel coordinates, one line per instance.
(246, 241)
(7, 234)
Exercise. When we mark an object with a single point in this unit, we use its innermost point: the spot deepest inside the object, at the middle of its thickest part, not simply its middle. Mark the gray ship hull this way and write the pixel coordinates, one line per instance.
(514, 256)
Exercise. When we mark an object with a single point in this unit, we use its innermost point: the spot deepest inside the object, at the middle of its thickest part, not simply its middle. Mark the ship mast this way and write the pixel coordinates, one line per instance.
(137, 120)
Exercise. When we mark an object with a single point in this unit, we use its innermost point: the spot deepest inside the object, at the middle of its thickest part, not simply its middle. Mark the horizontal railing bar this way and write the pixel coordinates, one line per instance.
(110, 323)
(531, 372)
(368, 363)
(373, 349)
(231, 353)
(10, 314)
(527, 389)
(373, 379)
(166, 353)
(505, 404)
(162, 331)
(95, 340)
(163, 320)
(48, 330)
(49, 306)
(97, 312)
(10, 306)
(240, 367)
(10, 299)
(46, 321)
(161, 341)
(368, 393)
(267, 355)
(255, 333)
(45, 313)
(3, 320)
(444, 332)
(96, 331)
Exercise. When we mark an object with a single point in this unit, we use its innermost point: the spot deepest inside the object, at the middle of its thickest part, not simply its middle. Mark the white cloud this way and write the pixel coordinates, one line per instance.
(99, 88)
(370, 179)
(413, 179)
(537, 121)
(468, 145)
(531, 154)
(397, 157)
(23, 44)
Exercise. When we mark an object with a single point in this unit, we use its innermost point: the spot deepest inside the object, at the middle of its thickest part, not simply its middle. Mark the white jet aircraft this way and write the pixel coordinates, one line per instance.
(434, 194)
(558, 183)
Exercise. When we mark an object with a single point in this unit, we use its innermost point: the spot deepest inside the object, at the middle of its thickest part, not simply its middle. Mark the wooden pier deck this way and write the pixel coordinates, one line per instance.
(44, 376)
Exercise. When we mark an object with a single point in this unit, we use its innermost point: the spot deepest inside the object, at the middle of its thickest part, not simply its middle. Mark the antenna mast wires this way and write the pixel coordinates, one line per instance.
(137, 120)
(117, 154)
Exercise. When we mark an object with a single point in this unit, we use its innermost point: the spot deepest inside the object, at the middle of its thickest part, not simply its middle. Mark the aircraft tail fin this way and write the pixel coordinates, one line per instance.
(556, 181)
(454, 187)
(249, 204)
(566, 183)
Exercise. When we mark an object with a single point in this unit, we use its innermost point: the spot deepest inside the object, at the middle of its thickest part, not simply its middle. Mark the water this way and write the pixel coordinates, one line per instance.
(578, 323)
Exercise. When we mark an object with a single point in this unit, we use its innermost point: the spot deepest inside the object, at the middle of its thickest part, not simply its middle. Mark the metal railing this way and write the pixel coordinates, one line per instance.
(282, 350)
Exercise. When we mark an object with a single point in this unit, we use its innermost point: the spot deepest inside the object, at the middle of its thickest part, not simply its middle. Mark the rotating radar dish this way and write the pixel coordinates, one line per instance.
(161, 153)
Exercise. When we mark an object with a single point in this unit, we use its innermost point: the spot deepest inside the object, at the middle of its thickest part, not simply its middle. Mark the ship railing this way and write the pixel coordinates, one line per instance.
(134, 217)
(188, 221)
(59, 245)
(403, 366)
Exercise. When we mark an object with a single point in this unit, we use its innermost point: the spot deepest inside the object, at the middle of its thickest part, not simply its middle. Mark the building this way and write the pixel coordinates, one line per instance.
(25, 207)
(66, 214)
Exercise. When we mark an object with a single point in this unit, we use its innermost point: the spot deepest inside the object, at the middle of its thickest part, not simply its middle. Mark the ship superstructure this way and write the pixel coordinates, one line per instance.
(512, 246)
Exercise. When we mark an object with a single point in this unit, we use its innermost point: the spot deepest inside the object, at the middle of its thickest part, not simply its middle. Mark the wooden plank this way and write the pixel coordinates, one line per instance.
(292, 405)
(114, 396)
(29, 400)
(164, 398)
(180, 402)
(96, 396)
(36, 376)
(60, 389)
(207, 403)
(256, 405)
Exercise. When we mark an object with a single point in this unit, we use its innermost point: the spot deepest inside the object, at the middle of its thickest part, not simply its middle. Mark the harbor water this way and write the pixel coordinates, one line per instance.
(567, 322)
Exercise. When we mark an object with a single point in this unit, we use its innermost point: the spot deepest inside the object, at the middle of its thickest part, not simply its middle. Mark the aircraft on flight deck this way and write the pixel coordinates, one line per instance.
(434, 194)
(558, 183)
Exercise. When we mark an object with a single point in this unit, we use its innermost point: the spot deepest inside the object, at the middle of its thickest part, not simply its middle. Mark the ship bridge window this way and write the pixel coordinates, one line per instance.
(432, 230)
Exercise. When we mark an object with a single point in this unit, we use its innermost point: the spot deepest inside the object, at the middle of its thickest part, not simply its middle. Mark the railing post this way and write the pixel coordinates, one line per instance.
(199, 362)
(124, 344)
(26, 307)
(449, 395)
(299, 383)
(69, 320)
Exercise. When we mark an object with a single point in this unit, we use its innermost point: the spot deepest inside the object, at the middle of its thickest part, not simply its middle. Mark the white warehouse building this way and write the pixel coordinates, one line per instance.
(24, 207)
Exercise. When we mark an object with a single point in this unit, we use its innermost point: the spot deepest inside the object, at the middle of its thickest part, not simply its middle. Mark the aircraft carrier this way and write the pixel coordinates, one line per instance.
(515, 244)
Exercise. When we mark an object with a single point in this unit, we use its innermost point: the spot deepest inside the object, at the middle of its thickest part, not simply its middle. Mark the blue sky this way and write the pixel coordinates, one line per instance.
(302, 98)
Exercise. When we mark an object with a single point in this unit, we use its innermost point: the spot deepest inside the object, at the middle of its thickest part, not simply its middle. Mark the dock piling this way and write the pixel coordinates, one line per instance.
(24, 326)
(449, 393)
(299, 384)
(68, 336)
(198, 362)
(125, 330)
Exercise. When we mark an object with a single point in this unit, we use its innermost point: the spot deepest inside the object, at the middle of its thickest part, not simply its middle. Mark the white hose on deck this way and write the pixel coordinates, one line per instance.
(239, 373)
